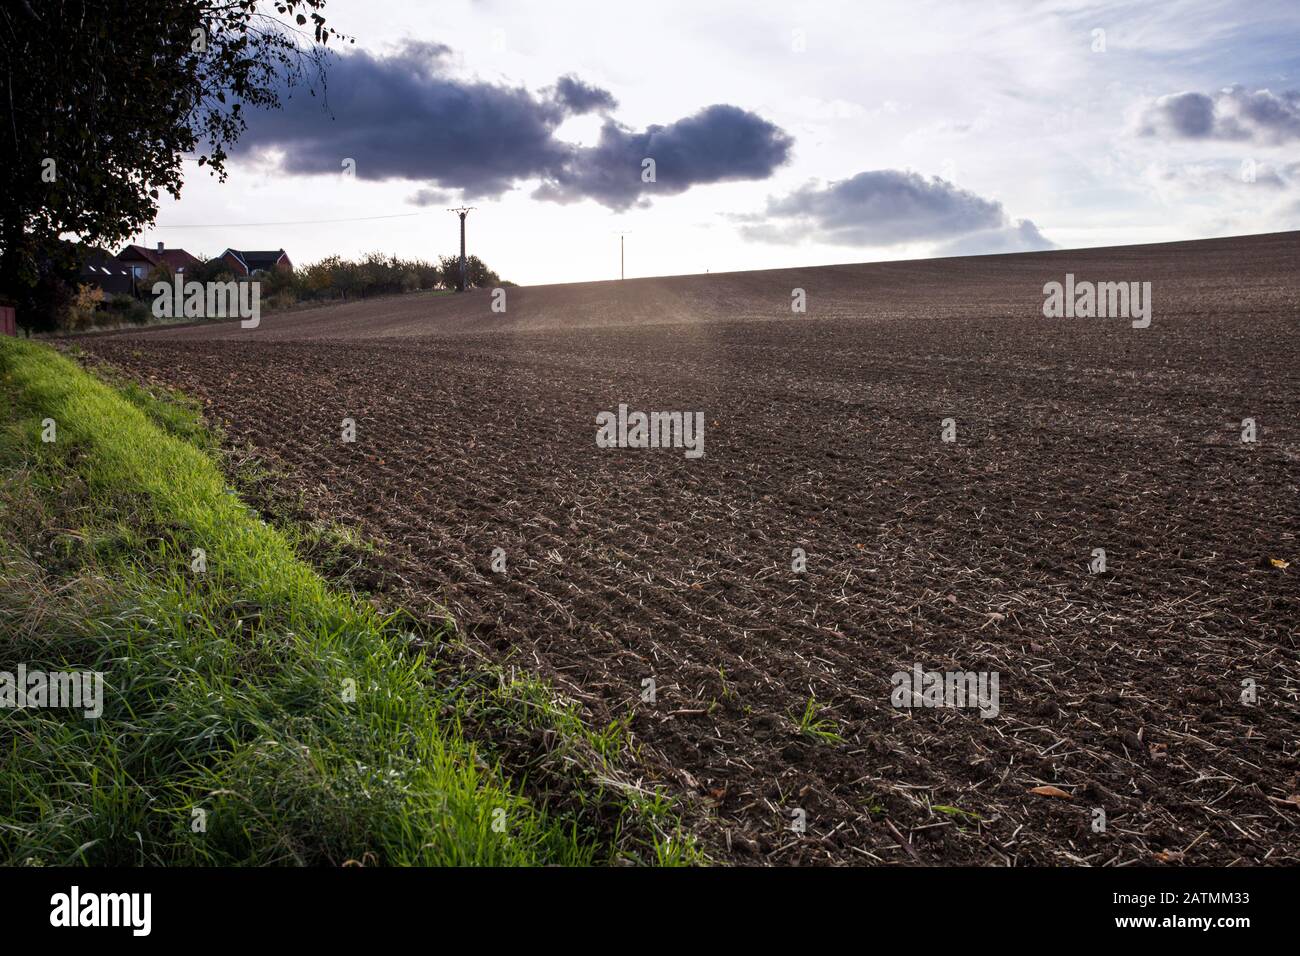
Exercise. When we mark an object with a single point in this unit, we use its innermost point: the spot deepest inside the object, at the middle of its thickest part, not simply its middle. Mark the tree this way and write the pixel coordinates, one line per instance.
(101, 99)
(477, 274)
(84, 305)
(209, 270)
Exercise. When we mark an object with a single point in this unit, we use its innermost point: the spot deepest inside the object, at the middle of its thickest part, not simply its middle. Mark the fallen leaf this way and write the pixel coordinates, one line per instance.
(1051, 792)
(1279, 563)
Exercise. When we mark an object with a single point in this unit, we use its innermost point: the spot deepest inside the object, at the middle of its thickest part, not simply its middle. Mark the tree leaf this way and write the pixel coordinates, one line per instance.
(1050, 791)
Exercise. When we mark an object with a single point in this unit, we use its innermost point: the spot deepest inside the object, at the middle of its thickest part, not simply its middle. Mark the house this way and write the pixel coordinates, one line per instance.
(141, 260)
(244, 263)
(102, 270)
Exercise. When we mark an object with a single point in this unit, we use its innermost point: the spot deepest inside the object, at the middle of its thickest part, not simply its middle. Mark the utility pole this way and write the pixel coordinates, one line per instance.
(463, 211)
(620, 253)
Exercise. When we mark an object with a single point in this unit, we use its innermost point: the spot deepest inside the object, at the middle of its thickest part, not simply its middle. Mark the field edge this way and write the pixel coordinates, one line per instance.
(254, 714)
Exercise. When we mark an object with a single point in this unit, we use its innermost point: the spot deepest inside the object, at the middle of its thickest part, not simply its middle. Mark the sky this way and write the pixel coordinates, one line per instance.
(782, 134)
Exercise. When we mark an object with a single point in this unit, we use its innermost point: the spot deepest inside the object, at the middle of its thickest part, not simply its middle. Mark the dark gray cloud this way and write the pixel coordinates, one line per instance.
(717, 144)
(578, 97)
(876, 208)
(1234, 114)
(404, 116)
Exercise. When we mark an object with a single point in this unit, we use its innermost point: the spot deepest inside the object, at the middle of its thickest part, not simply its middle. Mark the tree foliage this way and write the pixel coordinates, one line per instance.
(477, 274)
(377, 274)
(101, 99)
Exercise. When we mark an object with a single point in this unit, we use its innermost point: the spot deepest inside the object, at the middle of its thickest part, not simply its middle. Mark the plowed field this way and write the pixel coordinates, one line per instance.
(1123, 688)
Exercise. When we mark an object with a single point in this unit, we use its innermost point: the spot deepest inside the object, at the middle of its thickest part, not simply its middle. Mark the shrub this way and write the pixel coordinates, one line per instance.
(82, 311)
(283, 299)
(125, 308)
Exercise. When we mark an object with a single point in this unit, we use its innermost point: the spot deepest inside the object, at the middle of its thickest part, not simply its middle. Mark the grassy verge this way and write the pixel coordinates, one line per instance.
(251, 714)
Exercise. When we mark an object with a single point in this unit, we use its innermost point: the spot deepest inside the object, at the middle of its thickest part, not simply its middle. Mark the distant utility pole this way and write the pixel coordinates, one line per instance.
(620, 252)
(463, 211)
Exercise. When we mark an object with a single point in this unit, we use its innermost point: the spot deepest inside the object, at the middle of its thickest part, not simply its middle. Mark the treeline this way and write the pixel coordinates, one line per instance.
(376, 274)
(335, 278)
(82, 306)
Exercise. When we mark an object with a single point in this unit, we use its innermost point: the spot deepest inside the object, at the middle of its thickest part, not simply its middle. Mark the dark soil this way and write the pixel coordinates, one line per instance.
(1123, 689)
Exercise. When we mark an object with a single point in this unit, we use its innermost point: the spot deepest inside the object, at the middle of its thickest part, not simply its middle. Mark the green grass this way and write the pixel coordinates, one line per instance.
(818, 728)
(228, 691)
(956, 812)
(585, 762)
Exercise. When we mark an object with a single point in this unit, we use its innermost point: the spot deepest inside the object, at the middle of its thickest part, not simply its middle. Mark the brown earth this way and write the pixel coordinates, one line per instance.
(1122, 689)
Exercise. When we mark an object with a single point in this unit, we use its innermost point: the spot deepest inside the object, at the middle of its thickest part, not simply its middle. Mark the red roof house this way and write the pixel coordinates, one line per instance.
(142, 260)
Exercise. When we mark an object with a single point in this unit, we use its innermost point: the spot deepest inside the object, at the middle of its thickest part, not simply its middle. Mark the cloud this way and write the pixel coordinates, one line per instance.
(717, 144)
(401, 117)
(429, 197)
(1206, 179)
(1234, 197)
(404, 116)
(876, 208)
(1020, 236)
(578, 97)
(1233, 114)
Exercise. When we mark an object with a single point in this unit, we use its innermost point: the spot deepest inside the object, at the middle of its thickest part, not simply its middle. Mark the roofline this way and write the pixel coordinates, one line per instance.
(236, 255)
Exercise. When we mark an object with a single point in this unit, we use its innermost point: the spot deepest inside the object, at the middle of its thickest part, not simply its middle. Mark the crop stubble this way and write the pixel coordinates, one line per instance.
(477, 430)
